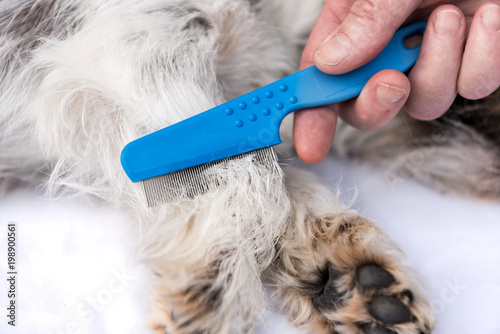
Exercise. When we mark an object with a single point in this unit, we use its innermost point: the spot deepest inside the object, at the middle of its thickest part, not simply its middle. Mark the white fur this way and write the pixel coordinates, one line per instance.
(105, 72)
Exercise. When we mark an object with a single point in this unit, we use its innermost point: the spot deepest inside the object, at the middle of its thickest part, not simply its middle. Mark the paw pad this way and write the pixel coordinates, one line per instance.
(379, 292)
(372, 276)
(389, 310)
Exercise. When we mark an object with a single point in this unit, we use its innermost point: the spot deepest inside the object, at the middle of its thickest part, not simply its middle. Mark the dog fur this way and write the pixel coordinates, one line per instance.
(81, 78)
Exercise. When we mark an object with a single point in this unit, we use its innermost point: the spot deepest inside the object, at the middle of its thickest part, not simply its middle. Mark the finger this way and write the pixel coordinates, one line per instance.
(381, 99)
(480, 73)
(314, 129)
(365, 31)
(313, 133)
(330, 17)
(434, 76)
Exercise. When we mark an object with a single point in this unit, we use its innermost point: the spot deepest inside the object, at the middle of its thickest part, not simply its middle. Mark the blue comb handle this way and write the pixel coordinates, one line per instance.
(252, 121)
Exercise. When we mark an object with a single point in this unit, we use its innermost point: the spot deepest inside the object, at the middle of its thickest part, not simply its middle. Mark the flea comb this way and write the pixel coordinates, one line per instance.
(171, 162)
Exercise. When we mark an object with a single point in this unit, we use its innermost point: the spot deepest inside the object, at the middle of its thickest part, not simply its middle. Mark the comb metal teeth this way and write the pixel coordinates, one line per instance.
(194, 181)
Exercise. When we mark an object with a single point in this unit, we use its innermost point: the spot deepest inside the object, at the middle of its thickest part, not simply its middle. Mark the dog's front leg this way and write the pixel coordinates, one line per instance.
(208, 252)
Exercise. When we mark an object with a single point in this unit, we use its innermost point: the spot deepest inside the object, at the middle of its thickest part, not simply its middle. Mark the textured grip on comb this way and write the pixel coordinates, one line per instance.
(252, 121)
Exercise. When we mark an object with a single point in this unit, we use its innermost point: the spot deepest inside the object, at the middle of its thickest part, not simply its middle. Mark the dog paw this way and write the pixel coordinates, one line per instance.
(368, 300)
(339, 274)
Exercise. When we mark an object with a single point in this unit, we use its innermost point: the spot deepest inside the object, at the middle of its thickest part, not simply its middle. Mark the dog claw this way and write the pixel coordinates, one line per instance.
(407, 297)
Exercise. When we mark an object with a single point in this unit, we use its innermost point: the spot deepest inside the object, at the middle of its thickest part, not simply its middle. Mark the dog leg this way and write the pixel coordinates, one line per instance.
(209, 251)
(219, 294)
(337, 273)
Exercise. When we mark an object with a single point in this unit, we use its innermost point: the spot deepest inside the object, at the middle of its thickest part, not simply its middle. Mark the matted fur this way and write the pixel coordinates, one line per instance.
(81, 78)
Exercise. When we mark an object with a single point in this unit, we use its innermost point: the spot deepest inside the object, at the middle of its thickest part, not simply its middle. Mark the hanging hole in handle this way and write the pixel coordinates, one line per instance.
(413, 40)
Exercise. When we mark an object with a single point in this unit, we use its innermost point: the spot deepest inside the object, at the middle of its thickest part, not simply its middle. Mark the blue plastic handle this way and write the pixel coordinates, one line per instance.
(252, 121)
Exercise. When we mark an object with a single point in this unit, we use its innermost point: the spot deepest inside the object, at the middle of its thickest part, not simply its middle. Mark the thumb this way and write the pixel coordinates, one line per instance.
(367, 28)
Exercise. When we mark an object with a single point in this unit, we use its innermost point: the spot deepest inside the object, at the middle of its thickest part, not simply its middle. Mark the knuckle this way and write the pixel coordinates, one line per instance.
(366, 13)
(379, 14)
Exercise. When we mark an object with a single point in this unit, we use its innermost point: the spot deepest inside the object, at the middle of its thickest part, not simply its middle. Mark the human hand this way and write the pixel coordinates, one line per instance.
(460, 52)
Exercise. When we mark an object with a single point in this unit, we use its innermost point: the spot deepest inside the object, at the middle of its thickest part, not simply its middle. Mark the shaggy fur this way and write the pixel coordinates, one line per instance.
(79, 79)
(459, 153)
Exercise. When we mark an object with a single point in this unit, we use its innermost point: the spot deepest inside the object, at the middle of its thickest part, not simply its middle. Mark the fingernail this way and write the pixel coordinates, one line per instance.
(490, 17)
(389, 95)
(448, 22)
(334, 51)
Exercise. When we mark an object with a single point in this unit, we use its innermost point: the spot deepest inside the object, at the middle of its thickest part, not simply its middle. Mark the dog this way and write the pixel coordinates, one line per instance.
(82, 78)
